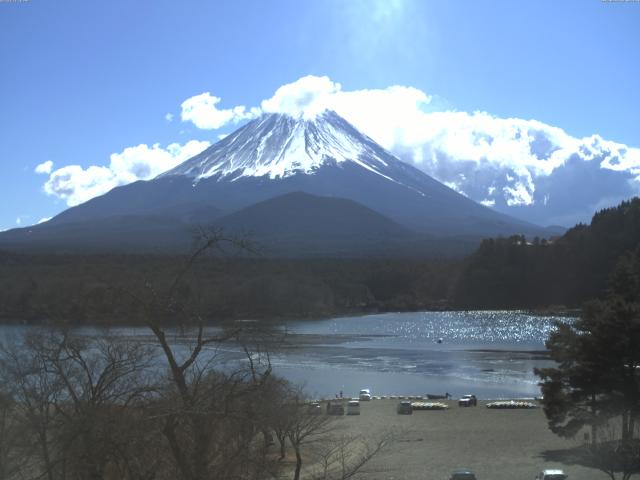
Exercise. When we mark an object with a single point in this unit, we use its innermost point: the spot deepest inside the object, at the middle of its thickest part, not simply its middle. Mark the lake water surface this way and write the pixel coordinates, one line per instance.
(490, 354)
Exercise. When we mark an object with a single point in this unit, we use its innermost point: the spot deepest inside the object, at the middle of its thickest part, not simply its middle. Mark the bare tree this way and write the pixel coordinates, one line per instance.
(11, 462)
(275, 411)
(75, 396)
(345, 456)
(209, 416)
(331, 455)
(304, 427)
(36, 393)
(195, 403)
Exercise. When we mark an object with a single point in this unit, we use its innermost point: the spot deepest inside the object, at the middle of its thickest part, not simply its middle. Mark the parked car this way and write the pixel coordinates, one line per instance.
(315, 408)
(335, 408)
(405, 408)
(353, 407)
(551, 475)
(365, 395)
(468, 401)
(463, 474)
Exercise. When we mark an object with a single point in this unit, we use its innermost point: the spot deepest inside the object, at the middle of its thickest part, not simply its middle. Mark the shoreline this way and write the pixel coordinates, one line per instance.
(541, 312)
(327, 361)
(495, 444)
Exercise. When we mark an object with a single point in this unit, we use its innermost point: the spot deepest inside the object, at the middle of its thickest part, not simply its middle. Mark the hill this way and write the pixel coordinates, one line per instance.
(513, 273)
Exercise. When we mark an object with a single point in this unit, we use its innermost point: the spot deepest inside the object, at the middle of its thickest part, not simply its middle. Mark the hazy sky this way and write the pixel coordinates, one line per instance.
(81, 82)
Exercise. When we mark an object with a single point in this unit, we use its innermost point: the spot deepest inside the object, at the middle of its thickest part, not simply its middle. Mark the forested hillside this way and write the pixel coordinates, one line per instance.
(102, 288)
(503, 273)
(513, 273)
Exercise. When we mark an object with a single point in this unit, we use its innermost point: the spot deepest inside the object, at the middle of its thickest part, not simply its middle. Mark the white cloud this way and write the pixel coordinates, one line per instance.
(44, 167)
(19, 221)
(536, 170)
(515, 163)
(306, 97)
(384, 114)
(76, 184)
(43, 220)
(168, 117)
(506, 163)
(203, 112)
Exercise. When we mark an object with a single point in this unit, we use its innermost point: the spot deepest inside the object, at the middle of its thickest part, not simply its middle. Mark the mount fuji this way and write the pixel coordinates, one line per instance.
(296, 182)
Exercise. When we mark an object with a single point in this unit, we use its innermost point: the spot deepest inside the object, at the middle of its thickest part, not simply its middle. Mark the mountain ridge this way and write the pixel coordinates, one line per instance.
(279, 145)
(275, 155)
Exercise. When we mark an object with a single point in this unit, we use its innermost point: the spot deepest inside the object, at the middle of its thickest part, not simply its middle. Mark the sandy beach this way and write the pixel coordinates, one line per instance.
(495, 444)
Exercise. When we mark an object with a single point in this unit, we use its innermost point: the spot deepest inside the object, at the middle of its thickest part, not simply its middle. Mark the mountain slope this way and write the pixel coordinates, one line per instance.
(302, 215)
(120, 233)
(326, 156)
(276, 155)
(293, 225)
(302, 225)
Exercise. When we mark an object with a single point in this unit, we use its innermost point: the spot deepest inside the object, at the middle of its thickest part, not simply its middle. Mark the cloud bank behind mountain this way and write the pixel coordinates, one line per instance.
(522, 167)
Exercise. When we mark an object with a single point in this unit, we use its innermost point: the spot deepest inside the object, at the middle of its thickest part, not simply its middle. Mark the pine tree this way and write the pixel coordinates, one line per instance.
(596, 382)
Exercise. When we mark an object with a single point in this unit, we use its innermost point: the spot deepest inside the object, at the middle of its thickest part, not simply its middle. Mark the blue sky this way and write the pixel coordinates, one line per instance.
(82, 80)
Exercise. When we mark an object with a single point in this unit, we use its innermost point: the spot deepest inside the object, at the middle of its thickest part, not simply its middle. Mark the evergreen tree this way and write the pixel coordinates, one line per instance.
(596, 382)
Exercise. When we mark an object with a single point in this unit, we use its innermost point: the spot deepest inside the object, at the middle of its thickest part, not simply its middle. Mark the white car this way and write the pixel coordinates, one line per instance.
(365, 395)
(353, 407)
(551, 475)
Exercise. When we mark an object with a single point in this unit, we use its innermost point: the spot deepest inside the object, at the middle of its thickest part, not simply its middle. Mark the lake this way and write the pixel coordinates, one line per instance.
(490, 354)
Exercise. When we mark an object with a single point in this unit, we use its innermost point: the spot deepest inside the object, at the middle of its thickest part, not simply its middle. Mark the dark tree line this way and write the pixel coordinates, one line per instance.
(519, 273)
(512, 272)
(89, 289)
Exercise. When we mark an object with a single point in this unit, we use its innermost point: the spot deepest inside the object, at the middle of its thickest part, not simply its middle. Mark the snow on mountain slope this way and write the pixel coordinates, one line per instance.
(279, 146)
(324, 156)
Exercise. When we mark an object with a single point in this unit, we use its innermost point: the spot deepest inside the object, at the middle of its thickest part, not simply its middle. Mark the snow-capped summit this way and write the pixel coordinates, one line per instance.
(314, 178)
(278, 146)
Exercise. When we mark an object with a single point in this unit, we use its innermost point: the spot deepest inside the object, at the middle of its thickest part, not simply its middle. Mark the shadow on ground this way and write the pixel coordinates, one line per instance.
(568, 456)
(609, 457)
